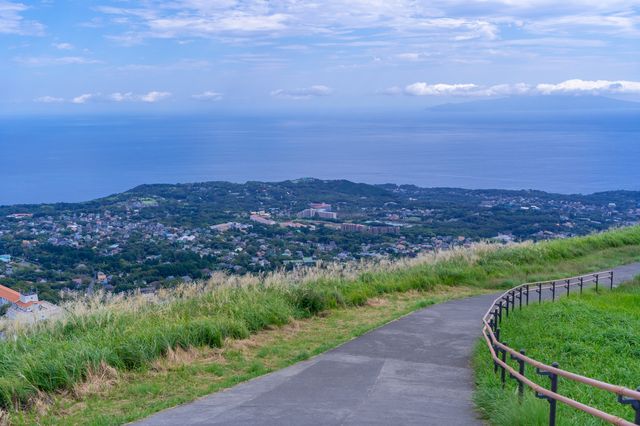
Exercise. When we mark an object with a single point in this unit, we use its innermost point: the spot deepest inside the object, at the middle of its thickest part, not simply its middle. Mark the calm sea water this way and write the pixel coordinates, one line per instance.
(80, 158)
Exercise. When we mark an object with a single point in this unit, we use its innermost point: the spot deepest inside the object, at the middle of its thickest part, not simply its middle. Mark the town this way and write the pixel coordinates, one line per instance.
(158, 235)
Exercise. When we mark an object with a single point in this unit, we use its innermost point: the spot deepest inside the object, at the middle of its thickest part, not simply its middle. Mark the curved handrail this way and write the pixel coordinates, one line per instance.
(493, 317)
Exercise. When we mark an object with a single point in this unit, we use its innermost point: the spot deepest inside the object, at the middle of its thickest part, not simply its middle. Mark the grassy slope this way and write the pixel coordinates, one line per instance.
(593, 335)
(185, 375)
(129, 335)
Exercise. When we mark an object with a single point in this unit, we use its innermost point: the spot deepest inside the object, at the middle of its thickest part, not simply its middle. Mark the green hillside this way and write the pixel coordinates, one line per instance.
(595, 335)
(130, 333)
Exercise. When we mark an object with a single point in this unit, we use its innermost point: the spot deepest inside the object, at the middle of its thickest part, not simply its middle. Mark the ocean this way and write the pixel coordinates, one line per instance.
(65, 158)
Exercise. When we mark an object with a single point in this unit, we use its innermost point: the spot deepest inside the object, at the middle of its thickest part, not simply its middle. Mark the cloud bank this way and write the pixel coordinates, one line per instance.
(591, 87)
(419, 89)
(568, 87)
(449, 19)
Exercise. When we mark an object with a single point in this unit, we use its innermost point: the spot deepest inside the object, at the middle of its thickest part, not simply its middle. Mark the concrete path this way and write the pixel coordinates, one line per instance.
(413, 371)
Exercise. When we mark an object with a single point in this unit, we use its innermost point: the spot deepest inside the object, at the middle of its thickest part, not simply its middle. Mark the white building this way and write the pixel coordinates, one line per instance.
(26, 307)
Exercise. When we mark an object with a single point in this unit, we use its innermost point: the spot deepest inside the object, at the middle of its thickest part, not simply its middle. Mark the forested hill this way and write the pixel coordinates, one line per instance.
(251, 195)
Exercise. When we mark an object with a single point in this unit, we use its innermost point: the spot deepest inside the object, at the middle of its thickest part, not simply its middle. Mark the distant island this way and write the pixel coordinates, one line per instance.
(541, 103)
(156, 236)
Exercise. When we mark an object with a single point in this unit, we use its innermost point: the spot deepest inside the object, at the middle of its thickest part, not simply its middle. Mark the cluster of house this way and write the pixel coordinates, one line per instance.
(26, 308)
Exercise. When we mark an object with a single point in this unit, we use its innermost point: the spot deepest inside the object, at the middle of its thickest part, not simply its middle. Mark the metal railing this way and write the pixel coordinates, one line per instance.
(499, 349)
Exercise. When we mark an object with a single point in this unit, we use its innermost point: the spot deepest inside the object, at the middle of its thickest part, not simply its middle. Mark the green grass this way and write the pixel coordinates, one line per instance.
(172, 381)
(130, 334)
(595, 335)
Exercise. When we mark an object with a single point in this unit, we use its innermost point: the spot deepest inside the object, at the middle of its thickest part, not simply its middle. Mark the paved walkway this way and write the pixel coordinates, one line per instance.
(411, 371)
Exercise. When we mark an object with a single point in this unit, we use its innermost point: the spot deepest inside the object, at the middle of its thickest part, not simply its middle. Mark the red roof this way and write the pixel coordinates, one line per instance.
(26, 305)
(8, 294)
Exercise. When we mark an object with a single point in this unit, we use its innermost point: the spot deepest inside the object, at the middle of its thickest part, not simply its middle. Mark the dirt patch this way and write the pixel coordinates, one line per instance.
(376, 302)
(178, 357)
(99, 379)
(260, 338)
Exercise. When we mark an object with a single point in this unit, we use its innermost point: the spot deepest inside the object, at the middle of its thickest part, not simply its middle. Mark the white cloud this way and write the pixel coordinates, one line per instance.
(202, 26)
(597, 23)
(398, 29)
(153, 97)
(63, 46)
(412, 56)
(121, 97)
(505, 90)
(208, 96)
(117, 97)
(43, 61)
(191, 18)
(12, 22)
(439, 89)
(577, 86)
(48, 100)
(468, 29)
(83, 99)
(302, 93)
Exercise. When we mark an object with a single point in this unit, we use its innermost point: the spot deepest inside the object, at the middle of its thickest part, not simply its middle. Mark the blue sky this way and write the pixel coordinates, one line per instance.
(190, 55)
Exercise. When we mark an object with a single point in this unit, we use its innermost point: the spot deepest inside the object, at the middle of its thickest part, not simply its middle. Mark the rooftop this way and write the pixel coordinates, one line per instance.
(8, 294)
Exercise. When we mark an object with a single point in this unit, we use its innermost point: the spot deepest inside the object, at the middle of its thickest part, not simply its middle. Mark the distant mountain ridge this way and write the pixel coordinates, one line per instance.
(539, 103)
(306, 190)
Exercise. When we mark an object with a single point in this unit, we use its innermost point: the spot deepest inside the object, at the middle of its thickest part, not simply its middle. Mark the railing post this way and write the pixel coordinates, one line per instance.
(539, 292)
(581, 284)
(635, 404)
(568, 286)
(500, 310)
(553, 291)
(507, 307)
(520, 297)
(597, 279)
(521, 366)
(611, 280)
(554, 388)
(527, 294)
